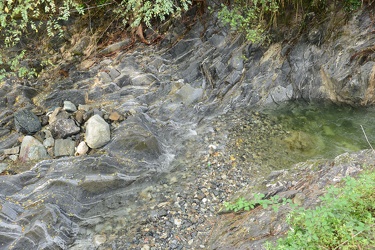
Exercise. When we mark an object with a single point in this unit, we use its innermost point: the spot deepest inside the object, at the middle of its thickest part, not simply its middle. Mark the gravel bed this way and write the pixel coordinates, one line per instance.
(178, 212)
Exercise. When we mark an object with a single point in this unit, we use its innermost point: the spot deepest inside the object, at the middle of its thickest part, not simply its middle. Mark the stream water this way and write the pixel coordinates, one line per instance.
(322, 130)
(220, 162)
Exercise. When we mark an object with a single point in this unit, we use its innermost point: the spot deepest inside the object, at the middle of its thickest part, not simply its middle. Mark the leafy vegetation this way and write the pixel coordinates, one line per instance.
(345, 219)
(255, 18)
(29, 18)
(246, 205)
(22, 22)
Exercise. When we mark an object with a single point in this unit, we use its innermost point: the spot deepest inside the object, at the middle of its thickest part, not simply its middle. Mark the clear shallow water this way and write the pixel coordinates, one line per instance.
(322, 130)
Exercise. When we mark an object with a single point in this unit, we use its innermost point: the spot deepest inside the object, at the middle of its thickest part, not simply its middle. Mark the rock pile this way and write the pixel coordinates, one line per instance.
(64, 131)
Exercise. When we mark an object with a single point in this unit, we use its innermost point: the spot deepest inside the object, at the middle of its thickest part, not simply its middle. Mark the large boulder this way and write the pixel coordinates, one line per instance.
(97, 132)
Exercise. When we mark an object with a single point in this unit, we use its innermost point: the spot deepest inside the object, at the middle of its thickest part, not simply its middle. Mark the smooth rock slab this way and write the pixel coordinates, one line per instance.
(189, 95)
(97, 132)
(32, 149)
(26, 122)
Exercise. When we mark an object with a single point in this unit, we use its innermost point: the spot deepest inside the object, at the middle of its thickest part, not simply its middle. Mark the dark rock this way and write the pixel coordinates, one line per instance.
(62, 128)
(28, 92)
(123, 81)
(77, 76)
(44, 120)
(6, 116)
(315, 36)
(57, 98)
(87, 115)
(26, 122)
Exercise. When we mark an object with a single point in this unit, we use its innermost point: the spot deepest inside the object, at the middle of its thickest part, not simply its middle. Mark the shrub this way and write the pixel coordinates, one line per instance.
(344, 220)
(250, 17)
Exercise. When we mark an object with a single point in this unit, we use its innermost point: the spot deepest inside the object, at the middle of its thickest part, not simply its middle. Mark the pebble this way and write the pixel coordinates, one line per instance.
(49, 142)
(82, 148)
(114, 116)
(69, 106)
(145, 247)
(99, 239)
(12, 151)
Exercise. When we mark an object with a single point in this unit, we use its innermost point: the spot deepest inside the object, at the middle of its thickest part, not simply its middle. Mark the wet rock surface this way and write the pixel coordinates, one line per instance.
(181, 137)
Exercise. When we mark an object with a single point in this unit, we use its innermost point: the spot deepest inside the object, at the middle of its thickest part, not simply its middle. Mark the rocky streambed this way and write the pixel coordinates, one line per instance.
(182, 135)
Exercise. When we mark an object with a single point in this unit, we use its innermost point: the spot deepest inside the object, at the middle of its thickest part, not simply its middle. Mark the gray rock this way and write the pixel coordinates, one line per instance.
(104, 77)
(115, 46)
(63, 128)
(279, 94)
(236, 61)
(123, 80)
(189, 95)
(49, 142)
(3, 166)
(143, 79)
(32, 149)
(97, 132)
(64, 147)
(113, 73)
(69, 106)
(136, 140)
(26, 122)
